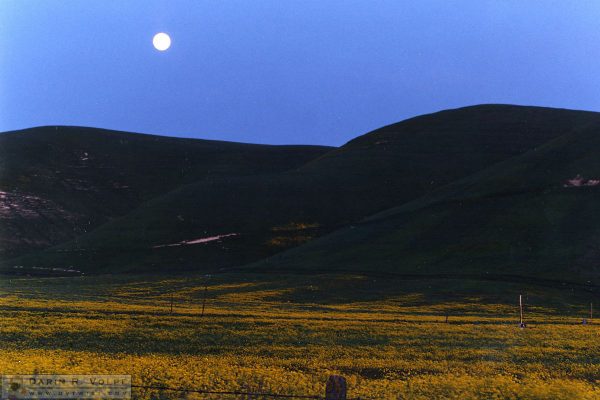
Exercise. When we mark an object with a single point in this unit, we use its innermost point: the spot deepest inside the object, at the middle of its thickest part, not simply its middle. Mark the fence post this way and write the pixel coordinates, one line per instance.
(335, 388)
(204, 299)
(521, 322)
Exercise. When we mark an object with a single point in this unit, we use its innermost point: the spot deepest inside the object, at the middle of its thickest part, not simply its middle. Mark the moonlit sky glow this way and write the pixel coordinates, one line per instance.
(293, 71)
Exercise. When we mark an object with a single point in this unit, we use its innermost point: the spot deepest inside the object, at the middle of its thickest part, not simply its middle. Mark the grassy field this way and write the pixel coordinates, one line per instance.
(286, 334)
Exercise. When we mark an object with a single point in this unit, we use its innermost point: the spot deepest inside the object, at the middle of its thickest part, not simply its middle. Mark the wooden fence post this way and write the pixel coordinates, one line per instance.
(521, 322)
(204, 299)
(335, 388)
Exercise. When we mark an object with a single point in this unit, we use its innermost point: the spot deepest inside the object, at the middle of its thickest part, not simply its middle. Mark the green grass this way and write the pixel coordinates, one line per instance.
(66, 181)
(389, 167)
(512, 219)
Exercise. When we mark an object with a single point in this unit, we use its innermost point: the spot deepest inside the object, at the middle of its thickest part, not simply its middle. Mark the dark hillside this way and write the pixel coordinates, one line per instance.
(533, 217)
(59, 182)
(266, 213)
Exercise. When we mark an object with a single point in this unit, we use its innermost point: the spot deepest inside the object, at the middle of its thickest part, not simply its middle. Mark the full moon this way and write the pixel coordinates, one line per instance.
(161, 41)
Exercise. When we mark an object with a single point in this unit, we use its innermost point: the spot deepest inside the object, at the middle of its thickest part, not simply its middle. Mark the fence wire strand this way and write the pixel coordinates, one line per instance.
(233, 393)
(238, 393)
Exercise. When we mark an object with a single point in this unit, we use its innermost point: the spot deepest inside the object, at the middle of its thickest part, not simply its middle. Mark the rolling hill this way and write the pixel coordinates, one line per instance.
(533, 217)
(214, 221)
(59, 182)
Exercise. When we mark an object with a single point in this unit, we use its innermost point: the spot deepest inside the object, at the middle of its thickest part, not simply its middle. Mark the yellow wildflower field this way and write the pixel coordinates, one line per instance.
(287, 334)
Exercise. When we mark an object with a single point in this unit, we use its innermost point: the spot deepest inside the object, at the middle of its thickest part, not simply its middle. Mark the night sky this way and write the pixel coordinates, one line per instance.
(284, 71)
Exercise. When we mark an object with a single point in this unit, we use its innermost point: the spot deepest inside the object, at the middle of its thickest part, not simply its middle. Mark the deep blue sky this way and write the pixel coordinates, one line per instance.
(285, 71)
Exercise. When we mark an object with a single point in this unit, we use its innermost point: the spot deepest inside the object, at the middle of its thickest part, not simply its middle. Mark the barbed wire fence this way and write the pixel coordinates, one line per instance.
(249, 395)
(335, 389)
